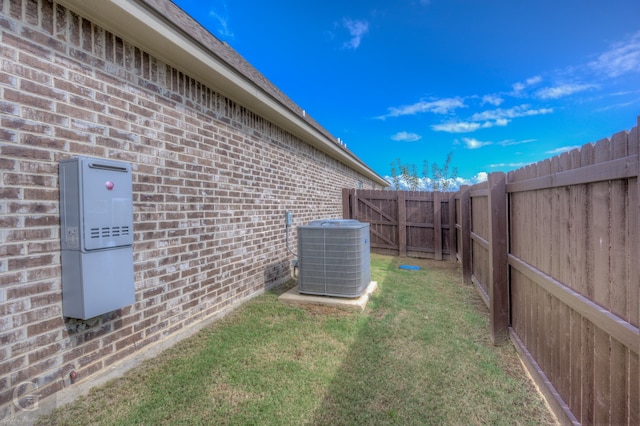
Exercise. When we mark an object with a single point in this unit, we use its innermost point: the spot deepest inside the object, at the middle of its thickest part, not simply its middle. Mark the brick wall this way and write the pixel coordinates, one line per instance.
(211, 183)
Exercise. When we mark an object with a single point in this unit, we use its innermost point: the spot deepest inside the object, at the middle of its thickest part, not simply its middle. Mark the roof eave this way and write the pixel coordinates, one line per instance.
(136, 21)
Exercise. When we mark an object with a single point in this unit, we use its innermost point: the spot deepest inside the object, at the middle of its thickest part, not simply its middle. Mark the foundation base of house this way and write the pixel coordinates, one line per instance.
(294, 298)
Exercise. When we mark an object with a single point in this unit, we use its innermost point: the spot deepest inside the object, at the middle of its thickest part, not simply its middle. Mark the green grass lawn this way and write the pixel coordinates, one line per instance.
(419, 354)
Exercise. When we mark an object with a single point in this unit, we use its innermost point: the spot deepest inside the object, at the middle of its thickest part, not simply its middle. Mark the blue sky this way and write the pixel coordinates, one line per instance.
(500, 83)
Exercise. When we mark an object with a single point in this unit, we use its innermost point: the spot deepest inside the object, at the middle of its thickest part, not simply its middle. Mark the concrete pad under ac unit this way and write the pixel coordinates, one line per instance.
(294, 298)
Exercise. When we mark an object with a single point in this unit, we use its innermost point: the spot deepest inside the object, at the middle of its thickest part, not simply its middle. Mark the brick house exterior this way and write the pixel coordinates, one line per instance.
(218, 155)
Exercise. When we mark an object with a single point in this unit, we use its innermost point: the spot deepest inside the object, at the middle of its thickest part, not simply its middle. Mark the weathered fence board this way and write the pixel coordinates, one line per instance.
(572, 279)
(553, 249)
(405, 223)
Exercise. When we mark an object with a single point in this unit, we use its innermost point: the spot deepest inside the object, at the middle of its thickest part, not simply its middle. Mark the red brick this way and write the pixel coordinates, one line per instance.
(8, 80)
(7, 23)
(94, 356)
(66, 134)
(44, 326)
(34, 370)
(47, 117)
(49, 143)
(31, 12)
(120, 355)
(86, 104)
(46, 299)
(26, 126)
(129, 342)
(28, 345)
(17, 179)
(42, 194)
(10, 249)
(90, 370)
(7, 193)
(42, 90)
(13, 278)
(98, 332)
(44, 352)
(114, 133)
(34, 316)
(40, 63)
(11, 336)
(72, 87)
(28, 99)
(88, 127)
(42, 39)
(80, 350)
(9, 365)
(22, 235)
(75, 112)
(26, 45)
(84, 149)
(46, 19)
(99, 42)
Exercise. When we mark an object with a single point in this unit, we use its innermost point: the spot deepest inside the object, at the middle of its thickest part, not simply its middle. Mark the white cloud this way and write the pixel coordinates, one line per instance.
(563, 90)
(501, 165)
(623, 57)
(532, 81)
(500, 122)
(222, 22)
(472, 143)
(492, 100)
(406, 137)
(562, 149)
(456, 127)
(439, 106)
(519, 87)
(617, 105)
(480, 177)
(357, 29)
(505, 114)
(486, 119)
(511, 142)
(426, 184)
(467, 126)
(477, 178)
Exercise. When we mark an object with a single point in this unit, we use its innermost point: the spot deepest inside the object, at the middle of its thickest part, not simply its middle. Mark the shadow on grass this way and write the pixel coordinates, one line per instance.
(423, 356)
(419, 354)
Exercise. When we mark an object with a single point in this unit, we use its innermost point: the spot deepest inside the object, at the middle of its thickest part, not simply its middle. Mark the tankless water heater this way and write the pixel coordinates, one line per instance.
(96, 221)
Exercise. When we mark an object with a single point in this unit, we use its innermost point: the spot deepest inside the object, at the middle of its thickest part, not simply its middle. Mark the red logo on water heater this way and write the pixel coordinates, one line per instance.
(109, 185)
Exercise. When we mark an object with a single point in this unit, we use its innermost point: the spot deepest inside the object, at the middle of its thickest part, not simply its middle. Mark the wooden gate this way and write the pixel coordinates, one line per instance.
(405, 223)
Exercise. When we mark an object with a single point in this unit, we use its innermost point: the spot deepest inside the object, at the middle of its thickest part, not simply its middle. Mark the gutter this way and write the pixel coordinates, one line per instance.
(162, 29)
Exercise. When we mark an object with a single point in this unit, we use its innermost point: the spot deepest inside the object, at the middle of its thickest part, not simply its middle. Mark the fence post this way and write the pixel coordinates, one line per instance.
(465, 231)
(354, 203)
(346, 203)
(437, 225)
(402, 224)
(634, 140)
(498, 269)
(452, 227)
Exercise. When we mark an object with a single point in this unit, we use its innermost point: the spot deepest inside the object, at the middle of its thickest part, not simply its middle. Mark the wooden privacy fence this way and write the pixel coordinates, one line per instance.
(405, 223)
(553, 250)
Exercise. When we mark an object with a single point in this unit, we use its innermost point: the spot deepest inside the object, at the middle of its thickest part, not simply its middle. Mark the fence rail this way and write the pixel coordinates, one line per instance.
(553, 250)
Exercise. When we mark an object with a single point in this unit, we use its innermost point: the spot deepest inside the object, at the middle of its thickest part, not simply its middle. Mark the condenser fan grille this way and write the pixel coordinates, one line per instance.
(334, 258)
